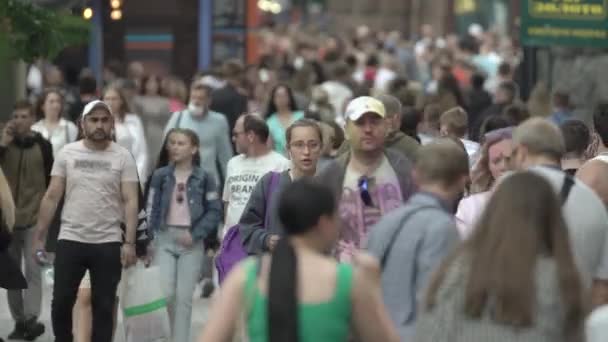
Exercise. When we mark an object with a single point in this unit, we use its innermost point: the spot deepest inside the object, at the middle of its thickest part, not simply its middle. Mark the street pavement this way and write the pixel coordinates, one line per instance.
(199, 316)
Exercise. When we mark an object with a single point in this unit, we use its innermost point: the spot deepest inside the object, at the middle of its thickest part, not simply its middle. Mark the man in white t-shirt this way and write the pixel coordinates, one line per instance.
(255, 159)
(100, 183)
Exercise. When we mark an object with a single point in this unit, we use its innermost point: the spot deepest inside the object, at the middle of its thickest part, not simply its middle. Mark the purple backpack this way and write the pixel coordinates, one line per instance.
(232, 250)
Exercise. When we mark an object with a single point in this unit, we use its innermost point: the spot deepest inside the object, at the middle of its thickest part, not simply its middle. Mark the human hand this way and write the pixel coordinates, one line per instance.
(8, 134)
(272, 242)
(127, 255)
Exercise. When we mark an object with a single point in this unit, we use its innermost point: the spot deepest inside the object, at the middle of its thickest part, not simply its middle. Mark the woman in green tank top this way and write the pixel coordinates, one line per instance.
(299, 293)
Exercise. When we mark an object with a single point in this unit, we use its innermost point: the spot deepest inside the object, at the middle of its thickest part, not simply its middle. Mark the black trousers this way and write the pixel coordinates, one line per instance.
(72, 259)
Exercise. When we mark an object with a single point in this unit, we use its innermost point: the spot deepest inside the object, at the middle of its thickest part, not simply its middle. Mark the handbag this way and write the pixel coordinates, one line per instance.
(232, 250)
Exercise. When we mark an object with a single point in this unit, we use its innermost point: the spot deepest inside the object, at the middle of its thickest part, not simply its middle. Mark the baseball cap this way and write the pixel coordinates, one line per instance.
(362, 105)
(94, 105)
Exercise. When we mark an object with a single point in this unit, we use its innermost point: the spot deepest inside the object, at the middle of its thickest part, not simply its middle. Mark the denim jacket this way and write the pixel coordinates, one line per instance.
(202, 196)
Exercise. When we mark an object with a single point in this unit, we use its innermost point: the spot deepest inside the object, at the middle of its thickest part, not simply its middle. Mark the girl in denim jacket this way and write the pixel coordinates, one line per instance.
(184, 209)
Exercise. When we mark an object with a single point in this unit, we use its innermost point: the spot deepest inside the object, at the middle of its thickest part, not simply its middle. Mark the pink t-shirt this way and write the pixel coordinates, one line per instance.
(179, 211)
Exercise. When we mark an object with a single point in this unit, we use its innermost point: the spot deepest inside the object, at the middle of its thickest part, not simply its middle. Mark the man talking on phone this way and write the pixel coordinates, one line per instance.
(26, 158)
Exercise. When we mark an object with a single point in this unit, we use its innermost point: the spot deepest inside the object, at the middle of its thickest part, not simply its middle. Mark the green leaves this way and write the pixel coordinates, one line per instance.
(33, 32)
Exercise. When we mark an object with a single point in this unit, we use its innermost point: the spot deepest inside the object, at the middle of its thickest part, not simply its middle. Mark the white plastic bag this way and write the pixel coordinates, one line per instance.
(144, 306)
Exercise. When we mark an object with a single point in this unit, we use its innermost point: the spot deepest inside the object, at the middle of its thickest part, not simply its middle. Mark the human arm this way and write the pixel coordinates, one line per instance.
(224, 146)
(370, 319)
(210, 220)
(129, 188)
(226, 308)
(252, 225)
(153, 198)
(47, 210)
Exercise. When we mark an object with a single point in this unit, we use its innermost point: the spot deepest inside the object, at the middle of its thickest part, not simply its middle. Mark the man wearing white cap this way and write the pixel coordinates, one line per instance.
(99, 179)
(369, 180)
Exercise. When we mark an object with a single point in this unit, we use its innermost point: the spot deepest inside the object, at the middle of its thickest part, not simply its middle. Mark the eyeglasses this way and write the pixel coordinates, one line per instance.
(181, 188)
(313, 146)
(366, 197)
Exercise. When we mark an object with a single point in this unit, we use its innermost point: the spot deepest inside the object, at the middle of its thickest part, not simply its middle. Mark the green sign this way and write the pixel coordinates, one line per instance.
(565, 22)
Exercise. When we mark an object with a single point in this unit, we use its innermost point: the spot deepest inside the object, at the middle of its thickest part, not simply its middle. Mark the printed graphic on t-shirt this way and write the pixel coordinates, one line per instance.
(92, 166)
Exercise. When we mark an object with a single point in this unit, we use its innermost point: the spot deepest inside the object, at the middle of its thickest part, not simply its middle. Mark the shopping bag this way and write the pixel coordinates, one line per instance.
(144, 307)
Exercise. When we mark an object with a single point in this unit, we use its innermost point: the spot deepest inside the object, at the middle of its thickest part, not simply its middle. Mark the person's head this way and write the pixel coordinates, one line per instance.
(250, 131)
(87, 86)
(304, 144)
(494, 161)
(115, 98)
(430, 119)
(516, 114)
(410, 121)
(23, 118)
(505, 70)
(442, 165)
(308, 211)
(200, 98)
(182, 146)
(454, 123)
(281, 99)
(150, 85)
(365, 125)
(135, 71)
(492, 123)
(53, 77)
(576, 138)
(478, 80)
(513, 233)
(394, 111)
(594, 173)
(176, 89)
(97, 122)
(50, 104)
(537, 141)
(233, 70)
(506, 93)
(561, 100)
(600, 121)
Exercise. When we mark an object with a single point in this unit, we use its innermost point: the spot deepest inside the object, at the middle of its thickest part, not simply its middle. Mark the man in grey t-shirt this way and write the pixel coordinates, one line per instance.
(100, 183)
(538, 145)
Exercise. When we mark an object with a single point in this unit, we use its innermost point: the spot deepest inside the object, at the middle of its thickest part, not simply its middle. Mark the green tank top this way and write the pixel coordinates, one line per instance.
(329, 321)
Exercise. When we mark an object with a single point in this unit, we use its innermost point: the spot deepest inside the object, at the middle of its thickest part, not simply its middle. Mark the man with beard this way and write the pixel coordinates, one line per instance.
(26, 158)
(99, 179)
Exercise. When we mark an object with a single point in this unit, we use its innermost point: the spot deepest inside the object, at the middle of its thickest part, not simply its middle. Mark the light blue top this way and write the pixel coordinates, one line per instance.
(277, 131)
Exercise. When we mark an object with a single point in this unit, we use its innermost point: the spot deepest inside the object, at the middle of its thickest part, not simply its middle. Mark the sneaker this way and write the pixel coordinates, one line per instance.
(34, 329)
(208, 288)
(19, 332)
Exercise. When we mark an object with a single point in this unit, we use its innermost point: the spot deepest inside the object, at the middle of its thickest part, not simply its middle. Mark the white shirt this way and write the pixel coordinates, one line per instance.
(242, 175)
(130, 135)
(65, 133)
(338, 95)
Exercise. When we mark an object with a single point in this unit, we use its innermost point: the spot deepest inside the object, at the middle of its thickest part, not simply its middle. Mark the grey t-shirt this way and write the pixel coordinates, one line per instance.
(94, 206)
(587, 221)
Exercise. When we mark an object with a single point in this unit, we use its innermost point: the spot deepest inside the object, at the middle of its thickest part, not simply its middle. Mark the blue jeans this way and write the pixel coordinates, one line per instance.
(180, 269)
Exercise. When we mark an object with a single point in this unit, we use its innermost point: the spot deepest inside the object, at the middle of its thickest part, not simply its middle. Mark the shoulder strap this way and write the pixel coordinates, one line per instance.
(179, 119)
(391, 242)
(272, 185)
(566, 187)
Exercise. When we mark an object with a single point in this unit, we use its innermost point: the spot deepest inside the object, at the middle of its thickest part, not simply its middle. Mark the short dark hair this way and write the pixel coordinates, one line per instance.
(23, 105)
(510, 87)
(600, 121)
(516, 114)
(198, 85)
(478, 80)
(504, 69)
(576, 137)
(232, 69)
(87, 85)
(252, 123)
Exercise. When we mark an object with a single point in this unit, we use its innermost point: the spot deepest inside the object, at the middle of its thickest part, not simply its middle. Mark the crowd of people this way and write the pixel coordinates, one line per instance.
(382, 190)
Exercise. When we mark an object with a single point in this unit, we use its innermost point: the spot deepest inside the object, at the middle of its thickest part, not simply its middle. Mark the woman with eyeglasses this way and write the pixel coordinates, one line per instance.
(184, 209)
(493, 163)
(260, 226)
(299, 293)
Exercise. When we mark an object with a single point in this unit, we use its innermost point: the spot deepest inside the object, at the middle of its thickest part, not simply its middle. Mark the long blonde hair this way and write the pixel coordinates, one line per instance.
(6, 202)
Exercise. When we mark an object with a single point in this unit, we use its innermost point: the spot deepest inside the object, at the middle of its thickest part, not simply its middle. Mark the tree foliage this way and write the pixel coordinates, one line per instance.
(33, 32)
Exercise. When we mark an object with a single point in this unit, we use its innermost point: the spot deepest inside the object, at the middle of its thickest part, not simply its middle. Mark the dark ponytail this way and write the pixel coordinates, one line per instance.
(301, 205)
(283, 299)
